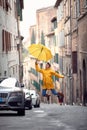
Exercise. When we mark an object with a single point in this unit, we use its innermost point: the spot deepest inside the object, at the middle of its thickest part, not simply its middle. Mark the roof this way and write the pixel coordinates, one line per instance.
(53, 19)
(57, 3)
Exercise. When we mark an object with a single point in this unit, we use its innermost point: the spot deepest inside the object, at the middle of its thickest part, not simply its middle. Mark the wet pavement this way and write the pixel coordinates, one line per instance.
(47, 117)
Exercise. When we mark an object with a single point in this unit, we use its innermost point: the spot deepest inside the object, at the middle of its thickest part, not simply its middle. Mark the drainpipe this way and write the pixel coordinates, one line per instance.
(71, 79)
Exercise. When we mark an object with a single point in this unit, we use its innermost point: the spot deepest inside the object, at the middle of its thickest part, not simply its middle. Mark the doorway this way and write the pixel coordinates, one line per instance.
(84, 84)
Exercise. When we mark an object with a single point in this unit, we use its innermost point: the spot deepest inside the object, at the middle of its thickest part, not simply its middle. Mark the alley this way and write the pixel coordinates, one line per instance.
(47, 117)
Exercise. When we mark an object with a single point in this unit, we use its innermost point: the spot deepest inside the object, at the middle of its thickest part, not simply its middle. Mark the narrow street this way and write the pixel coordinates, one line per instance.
(47, 117)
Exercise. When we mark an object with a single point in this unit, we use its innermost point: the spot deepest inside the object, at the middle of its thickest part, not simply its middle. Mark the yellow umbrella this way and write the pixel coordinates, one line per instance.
(40, 52)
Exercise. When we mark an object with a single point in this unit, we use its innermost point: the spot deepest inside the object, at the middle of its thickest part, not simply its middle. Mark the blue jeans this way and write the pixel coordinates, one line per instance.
(52, 90)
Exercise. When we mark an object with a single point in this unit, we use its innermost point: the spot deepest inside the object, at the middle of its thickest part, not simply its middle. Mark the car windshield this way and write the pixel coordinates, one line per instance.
(10, 82)
(28, 94)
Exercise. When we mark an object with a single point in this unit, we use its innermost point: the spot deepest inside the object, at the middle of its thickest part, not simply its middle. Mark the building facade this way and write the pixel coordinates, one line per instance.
(43, 29)
(63, 28)
(75, 31)
(9, 35)
(82, 50)
(43, 23)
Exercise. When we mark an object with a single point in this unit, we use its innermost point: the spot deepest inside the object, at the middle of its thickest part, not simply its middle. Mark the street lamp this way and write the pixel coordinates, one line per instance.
(17, 39)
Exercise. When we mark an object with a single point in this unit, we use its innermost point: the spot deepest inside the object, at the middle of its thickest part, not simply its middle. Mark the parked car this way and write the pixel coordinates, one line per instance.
(12, 96)
(1, 79)
(28, 99)
(35, 98)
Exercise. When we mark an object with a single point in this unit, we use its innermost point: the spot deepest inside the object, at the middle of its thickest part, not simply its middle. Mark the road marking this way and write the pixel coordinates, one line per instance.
(60, 124)
(39, 111)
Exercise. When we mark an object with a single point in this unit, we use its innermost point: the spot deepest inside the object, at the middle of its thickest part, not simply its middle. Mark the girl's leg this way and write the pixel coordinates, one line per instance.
(44, 92)
(54, 92)
(59, 95)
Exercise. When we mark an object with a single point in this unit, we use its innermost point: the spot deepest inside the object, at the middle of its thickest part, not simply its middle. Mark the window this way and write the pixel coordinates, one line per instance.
(13, 70)
(74, 10)
(85, 3)
(17, 84)
(15, 10)
(3, 40)
(6, 41)
(56, 58)
(5, 4)
(68, 45)
(61, 37)
(33, 71)
(78, 7)
(60, 12)
(36, 84)
(61, 63)
(74, 61)
(55, 24)
(67, 9)
(0, 2)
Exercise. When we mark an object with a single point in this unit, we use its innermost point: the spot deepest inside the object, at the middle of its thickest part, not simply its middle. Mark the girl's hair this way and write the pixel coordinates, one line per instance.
(49, 64)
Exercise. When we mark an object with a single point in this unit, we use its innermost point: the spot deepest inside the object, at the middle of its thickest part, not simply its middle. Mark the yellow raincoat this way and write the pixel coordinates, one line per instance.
(47, 77)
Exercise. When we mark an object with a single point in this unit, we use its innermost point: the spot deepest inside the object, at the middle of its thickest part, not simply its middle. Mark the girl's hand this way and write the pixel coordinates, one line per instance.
(36, 62)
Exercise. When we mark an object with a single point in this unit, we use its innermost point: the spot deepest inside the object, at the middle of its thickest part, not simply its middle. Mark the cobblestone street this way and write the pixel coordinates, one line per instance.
(47, 117)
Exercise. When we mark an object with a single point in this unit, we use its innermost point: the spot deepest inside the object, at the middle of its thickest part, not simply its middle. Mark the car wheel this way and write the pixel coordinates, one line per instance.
(30, 107)
(38, 105)
(21, 112)
(35, 106)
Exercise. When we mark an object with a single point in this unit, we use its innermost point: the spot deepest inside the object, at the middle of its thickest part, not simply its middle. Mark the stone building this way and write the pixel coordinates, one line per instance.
(82, 50)
(63, 28)
(75, 31)
(64, 46)
(43, 23)
(78, 27)
(44, 27)
(10, 39)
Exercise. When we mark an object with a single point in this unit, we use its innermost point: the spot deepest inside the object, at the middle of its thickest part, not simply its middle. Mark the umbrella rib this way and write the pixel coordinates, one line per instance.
(34, 50)
(40, 52)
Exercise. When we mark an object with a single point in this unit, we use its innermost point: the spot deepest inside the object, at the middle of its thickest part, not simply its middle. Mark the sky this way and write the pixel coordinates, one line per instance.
(29, 14)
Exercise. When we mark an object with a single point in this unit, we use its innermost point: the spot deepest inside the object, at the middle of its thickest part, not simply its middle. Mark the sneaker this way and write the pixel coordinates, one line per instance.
(60, 97)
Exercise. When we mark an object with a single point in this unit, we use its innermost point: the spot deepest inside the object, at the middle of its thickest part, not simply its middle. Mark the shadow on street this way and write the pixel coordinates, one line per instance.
(8, 114)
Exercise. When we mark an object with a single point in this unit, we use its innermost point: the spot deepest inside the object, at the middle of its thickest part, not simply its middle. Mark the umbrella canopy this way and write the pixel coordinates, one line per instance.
(40, 52)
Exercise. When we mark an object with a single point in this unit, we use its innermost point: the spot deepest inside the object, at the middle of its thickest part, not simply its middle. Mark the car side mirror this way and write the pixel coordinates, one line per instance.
(22, 85)
(31, 94)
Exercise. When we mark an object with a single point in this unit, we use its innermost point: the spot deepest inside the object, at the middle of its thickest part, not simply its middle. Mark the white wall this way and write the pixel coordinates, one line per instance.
(9, 62)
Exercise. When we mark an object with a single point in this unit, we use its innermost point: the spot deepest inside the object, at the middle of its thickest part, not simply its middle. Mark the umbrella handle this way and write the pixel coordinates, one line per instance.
(36, 62)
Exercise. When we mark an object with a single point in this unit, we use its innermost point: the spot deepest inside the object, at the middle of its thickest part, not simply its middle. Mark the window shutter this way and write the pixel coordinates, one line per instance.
(2, 40)
(6, 42)
(74, 61)
(0, 2)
